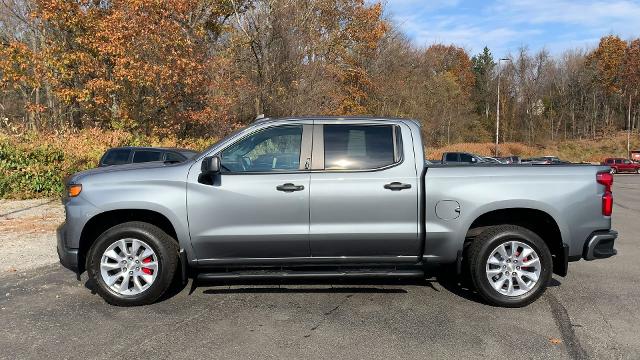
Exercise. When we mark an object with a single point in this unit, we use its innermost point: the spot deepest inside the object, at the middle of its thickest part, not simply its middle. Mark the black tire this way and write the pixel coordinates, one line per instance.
(481, 249)
(165, 247)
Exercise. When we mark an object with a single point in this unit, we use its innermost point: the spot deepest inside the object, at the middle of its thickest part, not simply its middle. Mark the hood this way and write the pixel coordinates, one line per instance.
(77, 177)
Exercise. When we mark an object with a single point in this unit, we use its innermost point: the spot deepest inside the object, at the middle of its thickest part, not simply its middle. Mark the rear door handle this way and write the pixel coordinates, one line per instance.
(397, 186)
(289, 187)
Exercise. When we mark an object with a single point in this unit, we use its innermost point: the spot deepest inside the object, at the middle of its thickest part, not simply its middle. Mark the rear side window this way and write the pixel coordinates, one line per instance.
(116, 157)
(618, 161)
(360, 147)
(609, 161)
(141, 156)
(451, 157)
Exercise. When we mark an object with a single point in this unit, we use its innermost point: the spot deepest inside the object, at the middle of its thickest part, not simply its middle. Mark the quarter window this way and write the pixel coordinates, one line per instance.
(360, 147)
(273, 149)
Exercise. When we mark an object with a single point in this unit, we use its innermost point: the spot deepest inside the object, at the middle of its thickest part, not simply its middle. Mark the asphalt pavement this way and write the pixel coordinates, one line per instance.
(591, 313)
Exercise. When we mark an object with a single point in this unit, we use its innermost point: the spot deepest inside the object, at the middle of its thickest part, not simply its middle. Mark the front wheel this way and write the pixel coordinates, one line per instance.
(510, 265)
(614, 171)
(132, 263)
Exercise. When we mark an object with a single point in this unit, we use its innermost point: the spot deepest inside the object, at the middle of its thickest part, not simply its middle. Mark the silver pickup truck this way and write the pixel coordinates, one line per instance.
(332, 197)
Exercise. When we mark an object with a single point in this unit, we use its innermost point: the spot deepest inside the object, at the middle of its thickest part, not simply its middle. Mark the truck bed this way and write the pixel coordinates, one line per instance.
(456, 196)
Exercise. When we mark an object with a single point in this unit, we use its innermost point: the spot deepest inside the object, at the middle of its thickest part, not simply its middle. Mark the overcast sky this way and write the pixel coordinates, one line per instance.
(505, 25)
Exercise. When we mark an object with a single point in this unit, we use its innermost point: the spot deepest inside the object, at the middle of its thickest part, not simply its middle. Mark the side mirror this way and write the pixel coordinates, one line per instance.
(210, 165)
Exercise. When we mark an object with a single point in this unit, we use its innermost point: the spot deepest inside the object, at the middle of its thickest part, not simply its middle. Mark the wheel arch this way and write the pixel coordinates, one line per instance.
(103, 221)
(538, 221)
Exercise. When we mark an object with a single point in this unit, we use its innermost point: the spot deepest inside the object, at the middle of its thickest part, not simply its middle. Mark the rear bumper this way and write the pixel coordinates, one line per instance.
(599, 245)
(68, 257)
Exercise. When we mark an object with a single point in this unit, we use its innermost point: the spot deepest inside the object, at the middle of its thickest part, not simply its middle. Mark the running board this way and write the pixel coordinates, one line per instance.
(292, 274)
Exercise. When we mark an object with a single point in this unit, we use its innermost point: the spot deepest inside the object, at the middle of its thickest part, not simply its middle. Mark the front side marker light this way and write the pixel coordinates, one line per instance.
(74, 190)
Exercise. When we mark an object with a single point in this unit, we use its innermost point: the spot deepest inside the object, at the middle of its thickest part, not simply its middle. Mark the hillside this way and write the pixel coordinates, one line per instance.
(573, 150)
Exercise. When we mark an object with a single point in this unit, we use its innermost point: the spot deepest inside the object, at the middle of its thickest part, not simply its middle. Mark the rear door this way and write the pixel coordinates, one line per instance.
(364, 192)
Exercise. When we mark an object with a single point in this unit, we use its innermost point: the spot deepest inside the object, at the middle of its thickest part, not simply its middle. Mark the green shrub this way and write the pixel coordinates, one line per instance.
(25, 172)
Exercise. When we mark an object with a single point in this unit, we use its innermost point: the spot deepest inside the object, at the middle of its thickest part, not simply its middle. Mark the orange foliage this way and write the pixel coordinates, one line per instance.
(140, 64)
(453, 60)
(356, 41)
(607, 60)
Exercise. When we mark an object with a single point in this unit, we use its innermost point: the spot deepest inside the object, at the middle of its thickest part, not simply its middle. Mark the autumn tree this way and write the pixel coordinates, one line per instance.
(631, 76)
(308, 56)
(607, 60)
(204, 67)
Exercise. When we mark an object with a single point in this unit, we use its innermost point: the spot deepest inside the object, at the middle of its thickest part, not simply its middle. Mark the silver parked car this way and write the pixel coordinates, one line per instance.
(332, 197)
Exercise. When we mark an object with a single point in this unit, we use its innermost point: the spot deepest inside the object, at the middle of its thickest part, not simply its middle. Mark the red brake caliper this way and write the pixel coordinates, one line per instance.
(147, 270)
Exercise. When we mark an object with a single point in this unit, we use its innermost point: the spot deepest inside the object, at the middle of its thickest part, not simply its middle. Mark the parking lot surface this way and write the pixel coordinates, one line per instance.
(45, 312)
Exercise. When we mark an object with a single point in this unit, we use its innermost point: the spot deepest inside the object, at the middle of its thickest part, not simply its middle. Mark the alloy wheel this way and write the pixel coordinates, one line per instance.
(129, 266)
(513, 268)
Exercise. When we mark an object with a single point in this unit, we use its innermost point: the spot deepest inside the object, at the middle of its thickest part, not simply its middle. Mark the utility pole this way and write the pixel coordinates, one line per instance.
(629, 129)
(498, 105)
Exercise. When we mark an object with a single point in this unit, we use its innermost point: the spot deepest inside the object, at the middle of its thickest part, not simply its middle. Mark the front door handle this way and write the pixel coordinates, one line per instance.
(397, 186)
(289, 187)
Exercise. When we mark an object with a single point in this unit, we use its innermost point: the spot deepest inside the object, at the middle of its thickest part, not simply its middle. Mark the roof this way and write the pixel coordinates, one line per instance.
(327, 117)
(152, 148)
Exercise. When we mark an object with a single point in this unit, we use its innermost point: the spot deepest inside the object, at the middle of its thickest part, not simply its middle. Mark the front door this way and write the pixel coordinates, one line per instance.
(257, 208)
(364, 195)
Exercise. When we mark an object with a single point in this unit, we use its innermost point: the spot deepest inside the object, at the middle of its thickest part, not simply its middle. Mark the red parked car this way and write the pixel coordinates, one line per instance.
(621, 165)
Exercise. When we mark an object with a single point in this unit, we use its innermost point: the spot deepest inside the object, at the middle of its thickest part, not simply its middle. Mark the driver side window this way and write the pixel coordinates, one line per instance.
(272, 149)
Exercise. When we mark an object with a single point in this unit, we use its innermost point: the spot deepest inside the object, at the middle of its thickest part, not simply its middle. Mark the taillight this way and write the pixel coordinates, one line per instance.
(606, 179)
(607, 203)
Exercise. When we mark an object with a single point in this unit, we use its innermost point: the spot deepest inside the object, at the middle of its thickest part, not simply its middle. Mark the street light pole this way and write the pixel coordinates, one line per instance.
(629, 130)
(498, 105)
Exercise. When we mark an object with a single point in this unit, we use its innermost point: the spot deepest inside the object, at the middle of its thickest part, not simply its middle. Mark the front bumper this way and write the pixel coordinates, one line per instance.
(68, 257)
(599, 245)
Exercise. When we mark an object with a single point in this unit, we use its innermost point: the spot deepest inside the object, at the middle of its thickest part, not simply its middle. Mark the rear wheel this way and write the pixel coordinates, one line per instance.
(638, 171)
(132, 263)
(510, 266)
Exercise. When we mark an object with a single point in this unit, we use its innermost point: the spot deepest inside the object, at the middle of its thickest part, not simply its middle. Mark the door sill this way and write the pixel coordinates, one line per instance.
(308, 261)
(310, 274)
